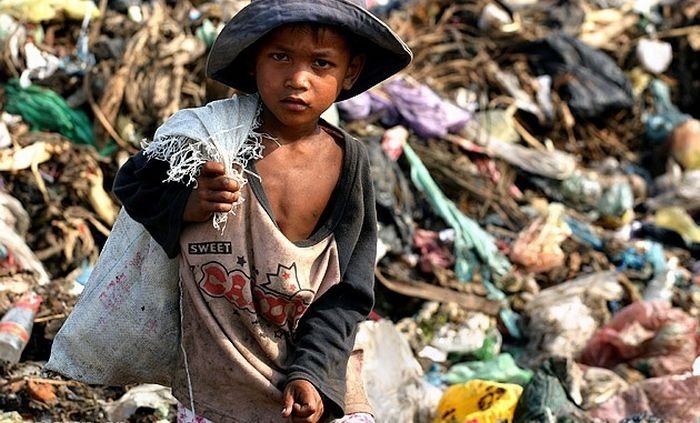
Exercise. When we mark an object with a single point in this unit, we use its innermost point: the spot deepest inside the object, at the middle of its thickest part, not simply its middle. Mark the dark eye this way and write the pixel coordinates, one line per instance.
(321, 63)
(278, 56)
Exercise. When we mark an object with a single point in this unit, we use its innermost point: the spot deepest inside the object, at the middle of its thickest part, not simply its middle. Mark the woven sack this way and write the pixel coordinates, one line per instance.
(125, 327)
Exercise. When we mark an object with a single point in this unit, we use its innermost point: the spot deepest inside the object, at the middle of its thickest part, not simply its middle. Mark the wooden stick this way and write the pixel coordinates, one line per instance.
(529, 138)
(101, 117)
(430, 292)
(97, 25)
(51, 317)
(679, 32)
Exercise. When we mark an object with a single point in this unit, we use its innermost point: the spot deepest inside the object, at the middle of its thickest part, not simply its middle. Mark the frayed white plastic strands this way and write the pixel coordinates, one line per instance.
(223, 131)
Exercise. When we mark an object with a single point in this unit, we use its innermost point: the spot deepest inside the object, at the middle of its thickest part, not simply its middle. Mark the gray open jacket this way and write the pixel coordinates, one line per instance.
(325, 334)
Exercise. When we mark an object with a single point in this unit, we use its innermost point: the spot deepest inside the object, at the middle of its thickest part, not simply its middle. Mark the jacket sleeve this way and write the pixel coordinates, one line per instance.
(157, 205)
(326, 333)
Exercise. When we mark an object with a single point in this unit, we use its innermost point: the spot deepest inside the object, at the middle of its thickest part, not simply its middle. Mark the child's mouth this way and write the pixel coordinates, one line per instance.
(295, 103)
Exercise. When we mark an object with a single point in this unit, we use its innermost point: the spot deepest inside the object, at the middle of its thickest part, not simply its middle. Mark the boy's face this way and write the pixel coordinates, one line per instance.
(300, 70)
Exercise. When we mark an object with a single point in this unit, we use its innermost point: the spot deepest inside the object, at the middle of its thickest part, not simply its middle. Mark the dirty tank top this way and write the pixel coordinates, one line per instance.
(243, 293)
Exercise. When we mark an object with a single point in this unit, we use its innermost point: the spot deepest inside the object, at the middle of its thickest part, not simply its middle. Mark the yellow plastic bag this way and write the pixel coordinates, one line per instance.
(478, 401)
(678, 220)
(44, 10)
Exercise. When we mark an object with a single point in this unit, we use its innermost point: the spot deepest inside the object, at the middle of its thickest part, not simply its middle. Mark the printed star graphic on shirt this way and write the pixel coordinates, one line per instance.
(286, 276)
(241, 261)
(281, 299)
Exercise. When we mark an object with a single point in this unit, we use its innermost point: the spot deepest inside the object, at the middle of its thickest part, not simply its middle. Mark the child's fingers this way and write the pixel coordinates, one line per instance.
(288, 405)
(224, 183)
(204, 201)
(212, 169)
(218, 183)
(220, 189)
(302, 410)
(305, 413)
(223, 197)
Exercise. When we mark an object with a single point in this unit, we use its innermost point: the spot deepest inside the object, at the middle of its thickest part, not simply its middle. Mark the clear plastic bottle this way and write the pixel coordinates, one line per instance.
(16, 326)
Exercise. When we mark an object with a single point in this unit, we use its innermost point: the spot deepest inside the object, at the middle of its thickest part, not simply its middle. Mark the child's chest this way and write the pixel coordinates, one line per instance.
(250, 278)
(299, 187)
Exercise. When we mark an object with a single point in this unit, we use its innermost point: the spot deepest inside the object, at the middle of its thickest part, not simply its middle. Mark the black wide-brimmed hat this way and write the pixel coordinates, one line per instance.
(386, 52)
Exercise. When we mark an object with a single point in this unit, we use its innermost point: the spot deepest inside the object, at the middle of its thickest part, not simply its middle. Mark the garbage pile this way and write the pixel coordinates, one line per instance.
(537, 172)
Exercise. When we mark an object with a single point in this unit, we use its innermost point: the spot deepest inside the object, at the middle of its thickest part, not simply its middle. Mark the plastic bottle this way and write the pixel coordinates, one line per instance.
(16, 326)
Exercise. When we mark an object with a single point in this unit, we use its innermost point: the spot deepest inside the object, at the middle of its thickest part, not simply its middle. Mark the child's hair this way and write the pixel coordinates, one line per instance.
(356, 44)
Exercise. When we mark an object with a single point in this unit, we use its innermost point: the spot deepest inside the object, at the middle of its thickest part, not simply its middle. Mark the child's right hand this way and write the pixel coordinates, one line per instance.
(302, 402)
(215, 193)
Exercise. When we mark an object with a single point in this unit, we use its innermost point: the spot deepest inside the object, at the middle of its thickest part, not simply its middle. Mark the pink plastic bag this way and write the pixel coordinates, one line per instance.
(672, 398)
(650, 336)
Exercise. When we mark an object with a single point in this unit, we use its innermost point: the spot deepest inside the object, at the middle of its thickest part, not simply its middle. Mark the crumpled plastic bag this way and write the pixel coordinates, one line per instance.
(538, 247)
(592, 83)
(426, 112)
(146, 396)
(43, 10)
(660, 123)
(470, 238)
(546, 398)
(671, 398)
(616, 205)
(478, 401)
(365, 105)
(45, 110)
(394, 381)
(475, 335)
(404, 100)
(652, 337)
(396, 204)
(501, 368)
(563, 317)
(679, 221)
(14, 251)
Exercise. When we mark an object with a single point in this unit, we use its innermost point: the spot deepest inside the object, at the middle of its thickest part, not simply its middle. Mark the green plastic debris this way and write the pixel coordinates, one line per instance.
(44, 110)
(472, 243)
(501, 368)
(207, 32)
(491, 346)
(469, 235)
(545, 400)
(109, 149)
(616, 200)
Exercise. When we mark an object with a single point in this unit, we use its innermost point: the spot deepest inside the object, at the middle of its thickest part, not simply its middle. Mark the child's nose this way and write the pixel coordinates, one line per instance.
(298, 78)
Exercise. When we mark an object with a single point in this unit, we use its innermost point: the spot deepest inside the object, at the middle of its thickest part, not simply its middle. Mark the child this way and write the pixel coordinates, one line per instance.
(271, 303)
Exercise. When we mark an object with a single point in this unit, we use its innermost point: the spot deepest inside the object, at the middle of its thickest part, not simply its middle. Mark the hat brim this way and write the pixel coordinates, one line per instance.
(386, 53)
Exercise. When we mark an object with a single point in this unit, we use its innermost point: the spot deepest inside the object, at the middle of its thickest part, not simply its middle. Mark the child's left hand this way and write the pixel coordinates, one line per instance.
(302, 402)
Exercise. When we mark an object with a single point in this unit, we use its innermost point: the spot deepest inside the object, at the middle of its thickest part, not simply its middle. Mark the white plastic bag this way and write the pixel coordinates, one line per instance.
(394, 382)
(125, 327)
